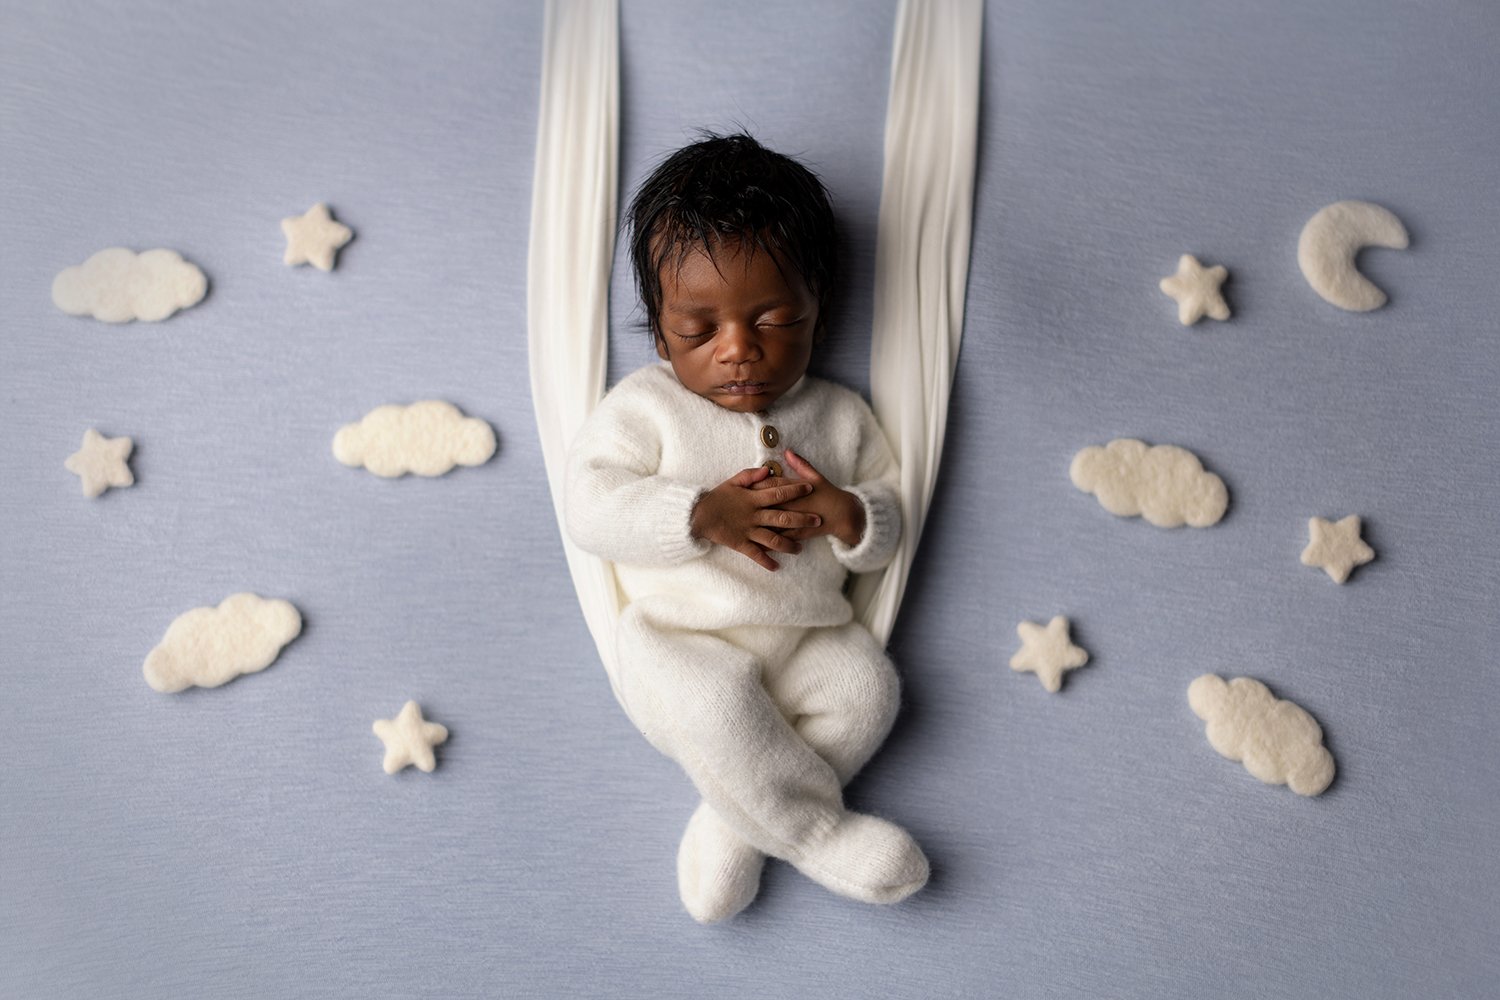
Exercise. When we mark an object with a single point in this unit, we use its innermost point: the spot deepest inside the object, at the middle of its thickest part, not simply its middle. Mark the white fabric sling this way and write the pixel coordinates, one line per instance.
(571, 253)
(921, 261)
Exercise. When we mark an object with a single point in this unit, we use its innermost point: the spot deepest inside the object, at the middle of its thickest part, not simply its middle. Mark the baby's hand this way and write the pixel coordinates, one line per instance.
(739, 516)
(839, 512)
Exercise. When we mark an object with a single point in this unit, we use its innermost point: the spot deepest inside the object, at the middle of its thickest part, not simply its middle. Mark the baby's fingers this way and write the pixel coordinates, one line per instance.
(749, 477)
(803, 467)
(778, 495)
(771, 482)
(775, 517)
(766, 538)
(756, 554)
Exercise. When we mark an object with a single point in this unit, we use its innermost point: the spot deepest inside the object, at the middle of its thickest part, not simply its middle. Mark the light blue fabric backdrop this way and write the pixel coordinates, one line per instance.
(243, 842)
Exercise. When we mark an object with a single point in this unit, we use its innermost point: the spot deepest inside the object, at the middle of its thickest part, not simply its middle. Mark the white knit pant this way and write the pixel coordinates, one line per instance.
(768, 721)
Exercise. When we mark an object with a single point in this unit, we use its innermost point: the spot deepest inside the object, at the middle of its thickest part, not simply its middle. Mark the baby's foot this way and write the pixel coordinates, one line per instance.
(718, 874)
(867, 859)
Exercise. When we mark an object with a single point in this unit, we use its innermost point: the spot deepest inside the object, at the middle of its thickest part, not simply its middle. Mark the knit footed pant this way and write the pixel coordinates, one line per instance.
(768, 721)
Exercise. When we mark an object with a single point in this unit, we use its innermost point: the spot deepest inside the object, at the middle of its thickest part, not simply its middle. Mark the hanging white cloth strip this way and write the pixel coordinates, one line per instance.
(921, 261)
(572, 250)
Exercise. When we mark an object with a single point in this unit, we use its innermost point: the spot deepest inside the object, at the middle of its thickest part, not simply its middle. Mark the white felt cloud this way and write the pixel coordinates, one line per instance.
(119, 285)
(427, 438)
(1166, 485)
(1276, 739)
(207, 647)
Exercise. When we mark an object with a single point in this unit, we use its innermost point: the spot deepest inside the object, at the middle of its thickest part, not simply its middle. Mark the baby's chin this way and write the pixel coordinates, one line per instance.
(741, 404)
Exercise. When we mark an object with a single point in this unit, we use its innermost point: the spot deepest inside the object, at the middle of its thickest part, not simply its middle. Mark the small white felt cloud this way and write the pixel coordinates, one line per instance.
(207, 647)
(426, 438)
(1166, 485)
(1336, 548)
(1278, 741)
(1047, 652)
(409, 739)
(100, 463)
(118, 285)
(313, 238)
(1196, 289)
(1328, 245)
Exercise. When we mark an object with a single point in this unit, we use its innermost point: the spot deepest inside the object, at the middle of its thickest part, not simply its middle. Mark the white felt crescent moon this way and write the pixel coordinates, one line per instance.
(1329, 242)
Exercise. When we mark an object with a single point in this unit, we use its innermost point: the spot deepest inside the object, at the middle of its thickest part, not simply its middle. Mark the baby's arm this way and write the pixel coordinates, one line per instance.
(863, 519)
(619, 508)
(616, 505)
(742, 517)
(877, 485)
(840, 513)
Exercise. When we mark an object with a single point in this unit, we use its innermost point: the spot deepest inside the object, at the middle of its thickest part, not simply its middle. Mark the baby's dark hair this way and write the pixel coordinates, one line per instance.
(729, 189)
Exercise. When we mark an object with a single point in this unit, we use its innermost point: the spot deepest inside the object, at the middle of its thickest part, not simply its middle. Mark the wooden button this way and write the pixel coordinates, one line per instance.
(774, 466)
(769, 436)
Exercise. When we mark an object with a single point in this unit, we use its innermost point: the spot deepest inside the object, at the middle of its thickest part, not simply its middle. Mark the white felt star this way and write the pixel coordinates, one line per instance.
(1047, 652)
(1196, 289)
(409, 739)
(1336, 548)
(313, 237)
(100, 463)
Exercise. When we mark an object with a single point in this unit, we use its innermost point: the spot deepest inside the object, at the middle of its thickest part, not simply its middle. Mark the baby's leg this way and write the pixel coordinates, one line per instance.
(700, 700)
(841, 693)
(718, 872)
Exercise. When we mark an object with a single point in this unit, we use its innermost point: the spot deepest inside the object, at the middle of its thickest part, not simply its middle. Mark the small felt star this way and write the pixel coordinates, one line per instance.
(1047, 652)
(100, 463)
(409, 739)
(1196, 289)
(313, 237)
(1336, 547)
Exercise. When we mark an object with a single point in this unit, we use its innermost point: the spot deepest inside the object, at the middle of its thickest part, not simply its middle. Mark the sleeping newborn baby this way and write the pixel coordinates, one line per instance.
(735, 493)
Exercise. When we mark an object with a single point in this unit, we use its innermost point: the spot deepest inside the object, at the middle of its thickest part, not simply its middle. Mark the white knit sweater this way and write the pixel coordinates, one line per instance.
(652, 447)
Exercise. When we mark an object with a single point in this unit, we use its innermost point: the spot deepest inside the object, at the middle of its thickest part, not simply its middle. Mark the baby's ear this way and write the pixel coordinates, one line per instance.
(661, 346)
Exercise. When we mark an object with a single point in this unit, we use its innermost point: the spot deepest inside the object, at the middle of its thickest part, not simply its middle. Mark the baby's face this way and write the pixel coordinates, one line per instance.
(740, 334)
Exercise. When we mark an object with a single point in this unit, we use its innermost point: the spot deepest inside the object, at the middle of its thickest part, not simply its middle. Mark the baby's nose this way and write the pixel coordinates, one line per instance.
(738, 343)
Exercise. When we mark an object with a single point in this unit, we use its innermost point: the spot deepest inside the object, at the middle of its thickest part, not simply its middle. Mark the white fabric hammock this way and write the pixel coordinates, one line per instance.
(572, 250)
(921, 260)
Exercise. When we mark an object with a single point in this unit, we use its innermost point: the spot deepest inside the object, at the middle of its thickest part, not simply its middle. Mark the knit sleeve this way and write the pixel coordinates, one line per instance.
(877, 485)
(616, 506)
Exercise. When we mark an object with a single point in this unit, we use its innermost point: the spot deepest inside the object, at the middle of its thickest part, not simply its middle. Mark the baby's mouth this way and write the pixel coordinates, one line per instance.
(744, 388)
